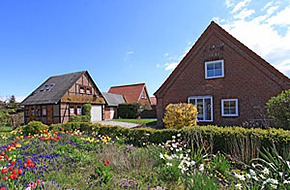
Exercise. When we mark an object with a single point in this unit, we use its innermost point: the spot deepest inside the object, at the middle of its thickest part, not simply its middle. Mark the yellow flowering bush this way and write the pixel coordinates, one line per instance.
(179, 115)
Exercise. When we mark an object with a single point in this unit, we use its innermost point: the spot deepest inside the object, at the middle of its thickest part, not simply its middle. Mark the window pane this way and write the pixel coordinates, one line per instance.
(44, 111)
(210, 73)
(218, 66)
(199, 107)
(192, 101)
(232, 104)
(232, 111)
(72, 110)
(218, 72)
(226, 111)
(79, 111)
(208, 109)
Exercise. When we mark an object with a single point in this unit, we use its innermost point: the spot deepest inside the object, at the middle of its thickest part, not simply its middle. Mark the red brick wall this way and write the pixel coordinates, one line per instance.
(107, 113)
(246, 79)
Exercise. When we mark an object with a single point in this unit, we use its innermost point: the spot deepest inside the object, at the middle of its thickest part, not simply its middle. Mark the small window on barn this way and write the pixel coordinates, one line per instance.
(37, 111)
(79, 110)
(43, 110)
(230, 107)
(72, 110)
(214, 69)
(82, 89)
(44, 87)
(89, 90)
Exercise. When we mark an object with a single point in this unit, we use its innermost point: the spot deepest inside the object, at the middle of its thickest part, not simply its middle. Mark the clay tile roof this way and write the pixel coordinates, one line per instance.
(153, 101)
(131, 93)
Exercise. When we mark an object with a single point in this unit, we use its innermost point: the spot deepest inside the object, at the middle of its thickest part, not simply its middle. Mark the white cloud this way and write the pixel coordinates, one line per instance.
(229, 3)
(267, 5)
(282, 18)
(266, 33)
(166, 54)
(240, 5)
(170, 66)
(128, 53)
(244, 13)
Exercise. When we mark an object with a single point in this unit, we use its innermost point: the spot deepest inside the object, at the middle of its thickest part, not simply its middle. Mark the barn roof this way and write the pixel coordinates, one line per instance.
(113, 99)
(53, 89)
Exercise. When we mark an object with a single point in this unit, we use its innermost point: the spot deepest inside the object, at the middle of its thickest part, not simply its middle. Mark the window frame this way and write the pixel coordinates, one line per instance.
(42, 111)
(214, 62)
(90, 89)
(203, 99)
(77, 107)
(82, 87)
(237, 108)
(73, 109)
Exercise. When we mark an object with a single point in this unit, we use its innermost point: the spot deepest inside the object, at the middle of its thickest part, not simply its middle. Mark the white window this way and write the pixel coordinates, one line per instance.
(230, 107)
(214, 69)
(79, 110)
(204, 107)
(72, 110)
(143, 95)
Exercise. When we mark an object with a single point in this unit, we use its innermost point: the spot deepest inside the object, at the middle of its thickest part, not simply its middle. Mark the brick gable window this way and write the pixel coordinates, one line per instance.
(82, 89)
(214, 69)
(72, 110)
(143, 95)
(204, 107)
(230, 107)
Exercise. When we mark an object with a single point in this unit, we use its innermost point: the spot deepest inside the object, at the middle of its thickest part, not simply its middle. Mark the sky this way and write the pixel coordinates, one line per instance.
(128, 41)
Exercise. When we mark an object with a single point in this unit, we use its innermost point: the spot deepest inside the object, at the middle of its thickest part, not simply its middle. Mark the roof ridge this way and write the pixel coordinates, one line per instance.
(136, 84)
(68, 73)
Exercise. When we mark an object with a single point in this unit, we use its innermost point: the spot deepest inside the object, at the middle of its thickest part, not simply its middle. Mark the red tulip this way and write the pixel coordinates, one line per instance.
(28, 161)
(7, 157)
(106, 164)
(32, 165)
(4, 170)
(14, 172)
(108, 161)
(10, 168)
(24, 165)
(5, 178)
(15, 176)
(10, 176)
(20, 171)
(13, 163)
(2, 153)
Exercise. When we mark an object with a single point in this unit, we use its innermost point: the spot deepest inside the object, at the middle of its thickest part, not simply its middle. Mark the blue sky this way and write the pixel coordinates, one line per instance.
(128, 41)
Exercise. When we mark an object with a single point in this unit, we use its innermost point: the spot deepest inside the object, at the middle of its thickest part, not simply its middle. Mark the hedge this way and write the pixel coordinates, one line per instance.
(129, 110)
(237, 141)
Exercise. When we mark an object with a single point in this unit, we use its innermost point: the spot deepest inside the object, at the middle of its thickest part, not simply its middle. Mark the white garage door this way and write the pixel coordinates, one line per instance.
(96, 113)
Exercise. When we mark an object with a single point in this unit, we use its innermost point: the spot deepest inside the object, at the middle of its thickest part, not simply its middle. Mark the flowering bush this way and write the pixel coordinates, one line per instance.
(179, 115)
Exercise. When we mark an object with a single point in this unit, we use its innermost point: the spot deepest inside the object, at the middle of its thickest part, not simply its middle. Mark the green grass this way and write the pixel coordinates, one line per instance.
(5, 129)
(150, 122)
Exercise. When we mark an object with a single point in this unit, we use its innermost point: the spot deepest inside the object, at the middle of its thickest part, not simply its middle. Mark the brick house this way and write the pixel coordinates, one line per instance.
(112, 103)
(62, 96)
(133, 93)
(228, 82)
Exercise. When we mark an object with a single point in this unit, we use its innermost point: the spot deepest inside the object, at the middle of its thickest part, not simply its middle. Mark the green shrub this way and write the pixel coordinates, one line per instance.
(148, 114)
(79, 118)
(180, 115)
(33, 127)
(87, 110)
(129, 110)
(279, 108)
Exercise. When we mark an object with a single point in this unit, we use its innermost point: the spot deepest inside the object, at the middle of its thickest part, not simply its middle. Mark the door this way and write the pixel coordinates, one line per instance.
(112, 113)
(96, 113)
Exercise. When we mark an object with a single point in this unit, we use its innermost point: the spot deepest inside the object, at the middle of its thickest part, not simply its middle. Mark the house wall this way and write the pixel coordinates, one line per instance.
(246, 79)
(77, 99)
(35, 113)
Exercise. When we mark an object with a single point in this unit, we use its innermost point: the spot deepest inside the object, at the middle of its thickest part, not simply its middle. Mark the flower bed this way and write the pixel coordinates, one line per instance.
(60, 159)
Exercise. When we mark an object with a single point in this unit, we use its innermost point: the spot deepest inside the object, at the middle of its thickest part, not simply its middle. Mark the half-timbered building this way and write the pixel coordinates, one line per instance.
(62, 96)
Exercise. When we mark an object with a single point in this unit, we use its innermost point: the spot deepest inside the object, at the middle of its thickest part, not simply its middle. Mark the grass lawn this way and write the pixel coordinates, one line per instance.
(150, 122)
(5, 129)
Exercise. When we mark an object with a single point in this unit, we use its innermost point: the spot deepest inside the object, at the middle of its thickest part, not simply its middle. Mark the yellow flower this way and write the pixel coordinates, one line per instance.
(165, 156)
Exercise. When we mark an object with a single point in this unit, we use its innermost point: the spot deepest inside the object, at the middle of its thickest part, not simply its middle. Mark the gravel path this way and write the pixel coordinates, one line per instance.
(122, 124)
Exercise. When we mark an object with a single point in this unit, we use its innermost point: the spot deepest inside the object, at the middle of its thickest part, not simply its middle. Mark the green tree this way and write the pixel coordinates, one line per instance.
(279, 108)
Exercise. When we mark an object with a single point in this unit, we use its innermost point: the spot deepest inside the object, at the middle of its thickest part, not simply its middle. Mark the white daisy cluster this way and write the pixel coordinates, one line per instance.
(179, 153)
